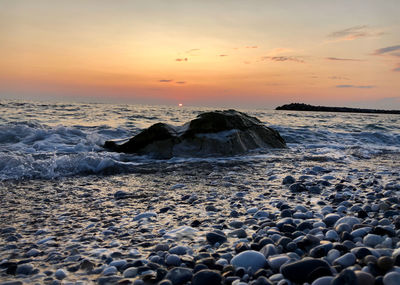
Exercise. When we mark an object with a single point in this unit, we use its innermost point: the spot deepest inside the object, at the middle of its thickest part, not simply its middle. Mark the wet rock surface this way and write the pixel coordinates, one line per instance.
(213, 133)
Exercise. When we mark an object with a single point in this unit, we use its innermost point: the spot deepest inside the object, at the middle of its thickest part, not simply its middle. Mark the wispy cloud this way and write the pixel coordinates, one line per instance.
(223, 55)
(338, 78)
(353, 33)
(355, 86)
(276, 51)
(181, 59)
(192, 51)
(283, 58)
(341, 59)
(171, 80)
(387, 50)
(391, 51)
(251, 47)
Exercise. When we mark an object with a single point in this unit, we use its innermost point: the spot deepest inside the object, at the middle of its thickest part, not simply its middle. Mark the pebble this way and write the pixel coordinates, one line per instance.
(331, 235)
(385, 263)
(391, 278)
(206, 277)
(269, 250)
(299, 271)
(331, 219)
(275, 262)
(216, 237)
(364, 278)
(145, 215)
(24, 269)
(110, 270)
(118, 263)
(288, 180)
(32, 252)
(325, 280)
(372, 240)
(345, 277)
(178, 250)
(261, 215)
(173, 260)
(249, 259)
(179, 275)
(107, 280)
(348, 220)
(60, 274)
(121, 194)
(345, 260)
(130, 272)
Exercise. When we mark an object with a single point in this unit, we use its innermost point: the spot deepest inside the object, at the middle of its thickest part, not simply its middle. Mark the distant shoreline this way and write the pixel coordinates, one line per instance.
(307, 107)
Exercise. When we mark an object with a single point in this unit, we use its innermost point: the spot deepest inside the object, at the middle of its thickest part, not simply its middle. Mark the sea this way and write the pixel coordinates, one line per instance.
(50, 141)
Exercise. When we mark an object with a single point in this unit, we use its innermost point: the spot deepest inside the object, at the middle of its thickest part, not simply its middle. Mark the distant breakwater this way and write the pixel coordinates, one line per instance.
(307, 107)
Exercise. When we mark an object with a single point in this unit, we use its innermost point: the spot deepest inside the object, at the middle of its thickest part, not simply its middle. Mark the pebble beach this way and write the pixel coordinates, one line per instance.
(227, 222)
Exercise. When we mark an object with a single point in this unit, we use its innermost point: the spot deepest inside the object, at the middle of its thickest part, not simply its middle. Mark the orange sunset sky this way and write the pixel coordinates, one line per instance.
(212, 53)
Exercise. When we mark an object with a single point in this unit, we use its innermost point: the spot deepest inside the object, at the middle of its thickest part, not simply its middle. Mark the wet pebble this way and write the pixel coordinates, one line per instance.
(249, 259)
(209, 277)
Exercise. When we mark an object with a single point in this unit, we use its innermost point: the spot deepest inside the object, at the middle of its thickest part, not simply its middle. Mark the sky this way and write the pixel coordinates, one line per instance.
(208, 53)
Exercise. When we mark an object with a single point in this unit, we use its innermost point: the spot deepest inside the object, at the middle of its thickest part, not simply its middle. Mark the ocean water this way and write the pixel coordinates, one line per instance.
(54, 140)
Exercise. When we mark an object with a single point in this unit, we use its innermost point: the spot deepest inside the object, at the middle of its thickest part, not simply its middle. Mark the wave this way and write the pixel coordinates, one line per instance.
(37, 150)
(18, 167)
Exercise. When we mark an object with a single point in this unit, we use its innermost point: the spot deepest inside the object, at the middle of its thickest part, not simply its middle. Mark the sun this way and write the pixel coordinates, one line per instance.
(180, 105)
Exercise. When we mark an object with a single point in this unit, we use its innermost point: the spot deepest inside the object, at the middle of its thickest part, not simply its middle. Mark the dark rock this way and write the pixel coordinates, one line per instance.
(318, 272)
(346, 277)
(216, 236)
(11, 267)
(385, 263)
(240, 233)
(241, 246)
(297, 187)
(25, 269)
(304, 225)
(299, 271)
(121, 195)
(108, 280)
(87, 265)
(211, 208)
(199, 267)
(384, 230)
(209, 277)
(288, 180)
(179, 275)
(321, 250)
(361, 252)
(314, 190)
(331, 219)
(195, 223)
(212, 133)
(286, 213)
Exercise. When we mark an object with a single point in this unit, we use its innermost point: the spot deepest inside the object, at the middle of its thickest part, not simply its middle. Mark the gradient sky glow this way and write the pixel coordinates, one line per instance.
(215, 53)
